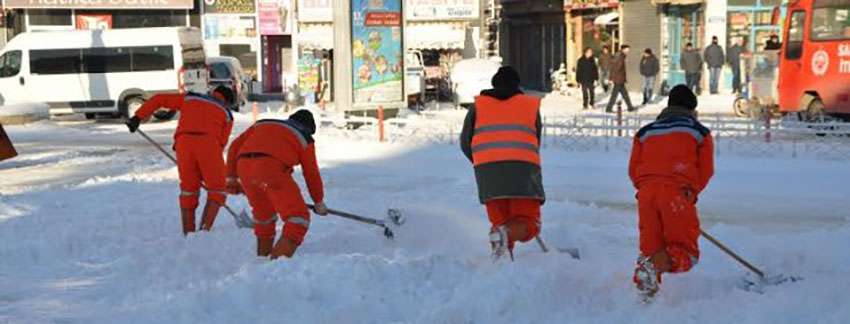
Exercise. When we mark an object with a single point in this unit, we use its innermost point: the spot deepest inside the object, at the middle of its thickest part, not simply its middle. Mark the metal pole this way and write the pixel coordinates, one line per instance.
(732, 254)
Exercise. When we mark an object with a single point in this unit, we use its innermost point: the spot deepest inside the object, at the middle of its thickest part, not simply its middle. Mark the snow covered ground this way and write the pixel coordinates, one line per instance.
(89, 232)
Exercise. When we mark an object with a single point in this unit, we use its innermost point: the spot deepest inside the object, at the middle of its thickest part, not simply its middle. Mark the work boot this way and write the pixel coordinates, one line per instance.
(188, 217)
(264, 246)
(210, 212)
(500, 244)
(646, 277)
(284, 247)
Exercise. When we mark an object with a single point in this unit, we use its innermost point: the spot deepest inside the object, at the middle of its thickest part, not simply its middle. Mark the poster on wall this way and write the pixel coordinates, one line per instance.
(441, 9)
(229, 27)
(93, 21)
(229, 6)
(376, 51)
(275, 17)
(315, 11)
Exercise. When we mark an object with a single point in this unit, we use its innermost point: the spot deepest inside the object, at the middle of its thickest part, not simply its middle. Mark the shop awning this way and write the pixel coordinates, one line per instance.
(316, 36)
(442, 35)
(677, 2)
(611, 18)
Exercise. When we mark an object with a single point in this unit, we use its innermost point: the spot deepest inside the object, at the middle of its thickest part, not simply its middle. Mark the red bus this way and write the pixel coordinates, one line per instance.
(814, 68)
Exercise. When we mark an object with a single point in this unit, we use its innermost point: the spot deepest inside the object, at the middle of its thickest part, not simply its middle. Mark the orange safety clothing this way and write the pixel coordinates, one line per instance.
(264, 157)
(202, 132)
(506, 130)
(527, 210)
(672, 161)
(199, 115)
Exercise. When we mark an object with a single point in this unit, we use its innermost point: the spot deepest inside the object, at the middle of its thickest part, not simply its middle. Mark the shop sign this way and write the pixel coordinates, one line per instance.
(589, 4)
(93, 21)
(441, 9)
(275, 17)
(98, 4)
(229, 6)
(376, 51)
(315, 11)
(229, 27)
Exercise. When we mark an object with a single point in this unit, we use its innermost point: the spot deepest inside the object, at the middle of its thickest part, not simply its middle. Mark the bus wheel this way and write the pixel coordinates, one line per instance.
(164, 115)
(740, 107)
(131, 105)
(814, 113)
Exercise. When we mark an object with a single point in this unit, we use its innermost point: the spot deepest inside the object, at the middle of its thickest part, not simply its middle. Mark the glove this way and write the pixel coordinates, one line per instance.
(233, 186)
(133, 124)
(321, 209)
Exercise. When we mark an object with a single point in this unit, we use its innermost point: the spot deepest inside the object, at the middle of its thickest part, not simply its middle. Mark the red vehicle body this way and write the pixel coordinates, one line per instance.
(814, 68)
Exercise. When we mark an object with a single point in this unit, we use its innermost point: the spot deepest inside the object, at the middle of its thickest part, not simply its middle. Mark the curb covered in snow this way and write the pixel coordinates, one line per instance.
(23, 113)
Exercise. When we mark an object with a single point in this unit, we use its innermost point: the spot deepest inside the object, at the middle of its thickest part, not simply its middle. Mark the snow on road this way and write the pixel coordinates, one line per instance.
(89, 232)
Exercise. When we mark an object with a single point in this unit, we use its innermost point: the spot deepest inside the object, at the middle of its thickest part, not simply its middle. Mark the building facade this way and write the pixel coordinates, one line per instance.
(532, 39)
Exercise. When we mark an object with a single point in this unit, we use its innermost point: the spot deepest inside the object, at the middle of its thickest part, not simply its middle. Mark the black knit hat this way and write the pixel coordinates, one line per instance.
(227, 93)
(506, 78)
(682, 96)
(305, 118)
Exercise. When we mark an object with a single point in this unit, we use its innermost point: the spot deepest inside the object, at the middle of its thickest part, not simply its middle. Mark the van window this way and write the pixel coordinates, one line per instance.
(152, 58)
(59, 61)
(106, 60)
(794, 44)
(219, 71)
(10, 64)
(830, 21)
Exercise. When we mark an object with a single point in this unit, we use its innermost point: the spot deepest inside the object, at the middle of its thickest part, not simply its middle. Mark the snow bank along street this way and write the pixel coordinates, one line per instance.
(89, 232)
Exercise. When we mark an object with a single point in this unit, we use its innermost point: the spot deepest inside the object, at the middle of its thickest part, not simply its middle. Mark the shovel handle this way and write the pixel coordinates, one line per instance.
(542, 244)
(732, 254)
(358, 218)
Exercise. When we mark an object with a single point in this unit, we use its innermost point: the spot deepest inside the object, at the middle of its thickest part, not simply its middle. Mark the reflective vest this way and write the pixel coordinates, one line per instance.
(506, 130)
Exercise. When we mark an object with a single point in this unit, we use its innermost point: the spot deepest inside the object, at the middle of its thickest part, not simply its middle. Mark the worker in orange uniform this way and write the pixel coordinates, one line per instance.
(501, 137)
(202, 133)
(260, 163)
(671, 163)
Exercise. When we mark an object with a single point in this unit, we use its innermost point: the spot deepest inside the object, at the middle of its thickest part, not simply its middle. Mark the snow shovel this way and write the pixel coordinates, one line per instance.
(573, 252)
(749, 283)
(242, 219)
(394, 217)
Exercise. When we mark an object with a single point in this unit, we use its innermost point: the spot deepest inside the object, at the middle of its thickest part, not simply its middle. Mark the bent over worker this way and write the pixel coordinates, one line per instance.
(260, 163)
(202, 133)
(671, 163)
(501, 137)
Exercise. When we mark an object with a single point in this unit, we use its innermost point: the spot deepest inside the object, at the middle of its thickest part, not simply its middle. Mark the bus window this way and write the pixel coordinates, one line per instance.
(10, 64)
(106, 60)
(794, 42)
(60, 61)
(830, 21)
(152, 58)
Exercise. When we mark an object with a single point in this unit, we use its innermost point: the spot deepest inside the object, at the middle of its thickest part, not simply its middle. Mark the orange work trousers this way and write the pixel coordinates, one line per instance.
(271, 190)
(200, 160)
(668, 222)
(527, 210)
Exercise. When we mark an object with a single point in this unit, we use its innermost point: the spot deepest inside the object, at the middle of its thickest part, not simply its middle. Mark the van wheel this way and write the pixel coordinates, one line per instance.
(164, 115)
(91, 116)
(740, 106)
(131, 105)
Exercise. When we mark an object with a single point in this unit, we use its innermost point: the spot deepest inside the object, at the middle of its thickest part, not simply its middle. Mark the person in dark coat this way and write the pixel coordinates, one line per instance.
(715, 59)
(618, 79)
(587, 73)
(733, 58)
(501, 137)
(691, 62)
(649, 70)
(772, 43)
(605, 60)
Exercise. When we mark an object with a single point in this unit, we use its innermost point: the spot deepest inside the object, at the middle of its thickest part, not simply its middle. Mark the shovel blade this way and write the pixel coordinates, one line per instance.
(758, 284)
(395, 217)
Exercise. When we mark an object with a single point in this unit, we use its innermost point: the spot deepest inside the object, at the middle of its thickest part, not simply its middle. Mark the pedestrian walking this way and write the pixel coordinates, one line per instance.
(672, 161)
(715, 59)
(587, 73)
(649, 69)
(501, 137)
(733, 58)
(260, 163)
(605, 60)
(202, 133)
(618, 79)
(691, 62)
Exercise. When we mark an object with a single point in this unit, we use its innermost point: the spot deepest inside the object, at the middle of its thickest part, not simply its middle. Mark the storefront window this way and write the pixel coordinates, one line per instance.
(49, 17)
(147, 18)
(831, 22)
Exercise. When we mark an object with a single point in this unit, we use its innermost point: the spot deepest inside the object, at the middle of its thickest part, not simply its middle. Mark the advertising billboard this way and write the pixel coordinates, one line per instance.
(376, 46)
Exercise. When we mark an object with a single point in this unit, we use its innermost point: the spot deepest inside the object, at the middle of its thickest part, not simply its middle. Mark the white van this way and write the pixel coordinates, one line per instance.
(101, 71)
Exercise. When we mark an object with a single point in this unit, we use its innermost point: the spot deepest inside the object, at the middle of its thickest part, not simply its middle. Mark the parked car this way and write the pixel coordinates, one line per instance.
(227, 71)
(469, 77)
(108, 72)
